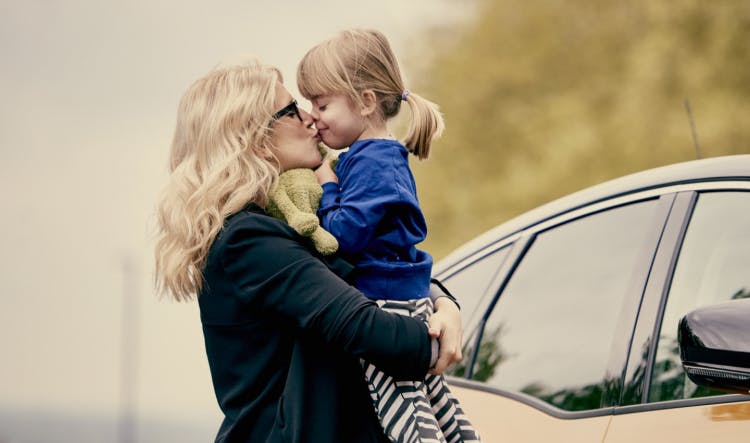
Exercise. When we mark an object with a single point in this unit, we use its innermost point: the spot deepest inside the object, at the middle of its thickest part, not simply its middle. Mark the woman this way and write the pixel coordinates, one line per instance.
(283, 330)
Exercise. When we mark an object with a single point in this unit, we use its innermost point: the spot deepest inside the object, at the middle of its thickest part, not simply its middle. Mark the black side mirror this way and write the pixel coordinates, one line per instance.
(715, 346)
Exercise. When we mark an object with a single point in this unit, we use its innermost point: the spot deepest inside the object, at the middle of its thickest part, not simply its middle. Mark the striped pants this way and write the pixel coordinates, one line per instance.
(416, 411)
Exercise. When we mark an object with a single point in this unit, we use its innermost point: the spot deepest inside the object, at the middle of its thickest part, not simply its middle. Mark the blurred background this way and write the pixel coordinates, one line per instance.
(541, 98)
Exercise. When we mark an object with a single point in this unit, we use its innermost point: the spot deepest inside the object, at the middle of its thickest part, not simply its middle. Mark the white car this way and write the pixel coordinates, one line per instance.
(571, 312)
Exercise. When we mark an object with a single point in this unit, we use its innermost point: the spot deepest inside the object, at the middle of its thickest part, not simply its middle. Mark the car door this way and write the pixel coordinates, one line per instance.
(706, 260)
(545, 360)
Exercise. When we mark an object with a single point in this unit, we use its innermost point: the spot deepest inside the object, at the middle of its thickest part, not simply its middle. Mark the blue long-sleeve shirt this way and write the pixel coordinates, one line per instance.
(374, 214)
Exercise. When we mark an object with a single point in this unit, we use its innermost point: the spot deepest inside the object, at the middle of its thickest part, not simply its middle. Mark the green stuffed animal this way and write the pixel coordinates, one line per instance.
(296, 200)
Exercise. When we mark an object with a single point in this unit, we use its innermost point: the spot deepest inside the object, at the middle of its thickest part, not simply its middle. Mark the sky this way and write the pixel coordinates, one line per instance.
(89, 95)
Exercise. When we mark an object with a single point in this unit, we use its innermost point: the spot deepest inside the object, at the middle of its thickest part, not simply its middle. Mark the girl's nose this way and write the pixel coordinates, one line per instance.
(312, 115)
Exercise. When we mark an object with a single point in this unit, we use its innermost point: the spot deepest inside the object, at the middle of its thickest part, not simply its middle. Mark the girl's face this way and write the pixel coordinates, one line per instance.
(294, 137)
(339, 120)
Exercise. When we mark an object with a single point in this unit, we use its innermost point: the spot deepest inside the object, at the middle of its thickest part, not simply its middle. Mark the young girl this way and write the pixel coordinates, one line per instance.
(370, 205)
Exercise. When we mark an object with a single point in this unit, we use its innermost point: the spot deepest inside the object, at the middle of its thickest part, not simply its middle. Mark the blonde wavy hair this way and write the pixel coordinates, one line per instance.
(221, 159)
(356, 60)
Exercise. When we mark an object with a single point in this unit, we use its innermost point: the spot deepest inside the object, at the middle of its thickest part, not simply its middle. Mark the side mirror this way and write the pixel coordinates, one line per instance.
(715, 346)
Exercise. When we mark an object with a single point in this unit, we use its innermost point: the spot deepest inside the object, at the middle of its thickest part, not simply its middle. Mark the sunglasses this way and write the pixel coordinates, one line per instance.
(290, 109)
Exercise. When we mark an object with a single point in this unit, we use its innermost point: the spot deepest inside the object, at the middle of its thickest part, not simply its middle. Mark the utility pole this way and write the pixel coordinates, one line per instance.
(126, 429)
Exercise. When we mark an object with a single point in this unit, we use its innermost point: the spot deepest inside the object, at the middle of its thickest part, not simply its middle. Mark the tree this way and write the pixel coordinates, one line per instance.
(542, 98)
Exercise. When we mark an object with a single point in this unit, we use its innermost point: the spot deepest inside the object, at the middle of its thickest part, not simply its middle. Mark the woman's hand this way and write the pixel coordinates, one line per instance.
(445, 325)
(325, 173)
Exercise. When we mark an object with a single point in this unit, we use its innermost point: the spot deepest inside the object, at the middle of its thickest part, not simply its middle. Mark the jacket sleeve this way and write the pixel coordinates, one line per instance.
(369, 187)
(277, 275)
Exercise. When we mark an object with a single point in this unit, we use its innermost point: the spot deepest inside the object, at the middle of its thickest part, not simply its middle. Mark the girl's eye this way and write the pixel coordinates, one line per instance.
(322, 107)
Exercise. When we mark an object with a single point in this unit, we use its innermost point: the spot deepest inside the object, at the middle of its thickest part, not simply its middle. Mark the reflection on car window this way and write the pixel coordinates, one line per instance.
(712, 268)
(550, 333)
(471, 287)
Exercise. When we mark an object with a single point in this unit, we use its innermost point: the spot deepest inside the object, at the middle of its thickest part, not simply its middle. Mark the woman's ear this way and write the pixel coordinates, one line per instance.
(369, 102)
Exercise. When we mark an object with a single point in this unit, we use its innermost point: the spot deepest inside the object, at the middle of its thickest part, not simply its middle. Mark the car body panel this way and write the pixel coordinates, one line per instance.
(498, 418)
(726, 423)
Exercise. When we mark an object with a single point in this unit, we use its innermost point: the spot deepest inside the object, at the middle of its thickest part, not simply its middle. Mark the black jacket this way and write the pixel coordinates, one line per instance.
(283, 336)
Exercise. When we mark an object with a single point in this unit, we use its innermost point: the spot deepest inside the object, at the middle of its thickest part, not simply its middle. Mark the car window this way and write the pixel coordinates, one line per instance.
(712, 268)
(471, 286)
(550, 333)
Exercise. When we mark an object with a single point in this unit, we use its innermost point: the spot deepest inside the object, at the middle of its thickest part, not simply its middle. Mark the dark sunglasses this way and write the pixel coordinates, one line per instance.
(290, 109)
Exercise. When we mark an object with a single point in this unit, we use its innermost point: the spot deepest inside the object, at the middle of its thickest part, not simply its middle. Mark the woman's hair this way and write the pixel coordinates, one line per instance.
(221, 159)
(356, 60)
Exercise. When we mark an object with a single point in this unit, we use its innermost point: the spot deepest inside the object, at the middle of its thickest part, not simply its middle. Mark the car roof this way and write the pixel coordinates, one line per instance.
(725, 168)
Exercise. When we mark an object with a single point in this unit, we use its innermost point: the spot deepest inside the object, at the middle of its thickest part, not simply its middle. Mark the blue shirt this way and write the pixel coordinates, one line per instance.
(374, 214)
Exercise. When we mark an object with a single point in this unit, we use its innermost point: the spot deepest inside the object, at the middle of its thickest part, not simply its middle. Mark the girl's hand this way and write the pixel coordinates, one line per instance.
(445, 325)
(325, 173)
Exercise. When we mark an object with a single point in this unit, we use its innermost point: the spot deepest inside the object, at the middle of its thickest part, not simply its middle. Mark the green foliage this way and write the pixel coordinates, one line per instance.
(490, 355)
(542, 98)
(669, 381)
(573, 399)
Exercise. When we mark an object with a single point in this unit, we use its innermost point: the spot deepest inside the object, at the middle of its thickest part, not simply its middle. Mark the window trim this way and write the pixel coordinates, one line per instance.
(517, 251)
(682, 403)
(643, 326)
(562, 414)
(612, 391)
(654, 292)
(620, 349)
(479, 254)
(681, 225)
(529, 400)
(482, 254)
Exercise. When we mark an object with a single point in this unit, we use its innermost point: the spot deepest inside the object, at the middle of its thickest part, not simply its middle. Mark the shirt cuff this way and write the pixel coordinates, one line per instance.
(435, 352)
(437, 290)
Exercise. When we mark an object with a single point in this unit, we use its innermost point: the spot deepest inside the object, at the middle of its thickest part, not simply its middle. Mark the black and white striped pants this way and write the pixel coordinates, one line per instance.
(416, 411)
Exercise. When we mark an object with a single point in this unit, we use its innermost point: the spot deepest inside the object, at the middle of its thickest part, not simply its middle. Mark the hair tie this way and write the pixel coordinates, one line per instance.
(404, 94)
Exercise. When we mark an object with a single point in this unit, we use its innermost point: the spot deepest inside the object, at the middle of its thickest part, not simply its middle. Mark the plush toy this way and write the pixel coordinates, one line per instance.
(296, 200)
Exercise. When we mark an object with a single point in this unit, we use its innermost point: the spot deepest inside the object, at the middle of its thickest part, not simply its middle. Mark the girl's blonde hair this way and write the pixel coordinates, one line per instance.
(221, 159)
(356, 60)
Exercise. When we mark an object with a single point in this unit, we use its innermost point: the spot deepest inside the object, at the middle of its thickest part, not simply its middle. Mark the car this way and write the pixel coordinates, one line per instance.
(618, 313)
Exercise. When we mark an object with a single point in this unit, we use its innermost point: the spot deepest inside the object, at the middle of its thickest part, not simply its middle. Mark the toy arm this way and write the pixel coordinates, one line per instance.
(302, 222)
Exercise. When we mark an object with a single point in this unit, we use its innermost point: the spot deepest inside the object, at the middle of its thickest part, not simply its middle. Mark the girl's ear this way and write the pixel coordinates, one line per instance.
(369, 102)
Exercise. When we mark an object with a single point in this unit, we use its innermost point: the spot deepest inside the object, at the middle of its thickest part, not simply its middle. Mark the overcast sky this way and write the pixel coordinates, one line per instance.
(89, 94)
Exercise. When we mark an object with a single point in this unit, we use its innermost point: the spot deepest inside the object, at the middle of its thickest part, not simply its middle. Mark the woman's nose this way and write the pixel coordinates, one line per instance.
(308, 119)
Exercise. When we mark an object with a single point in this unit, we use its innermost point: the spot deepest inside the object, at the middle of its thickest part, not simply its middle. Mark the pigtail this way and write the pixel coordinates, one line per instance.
(426, 125)
(358, 60)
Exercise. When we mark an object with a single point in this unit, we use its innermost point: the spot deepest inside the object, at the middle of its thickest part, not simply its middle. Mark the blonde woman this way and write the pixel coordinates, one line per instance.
(370, 205)
(283, 330)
